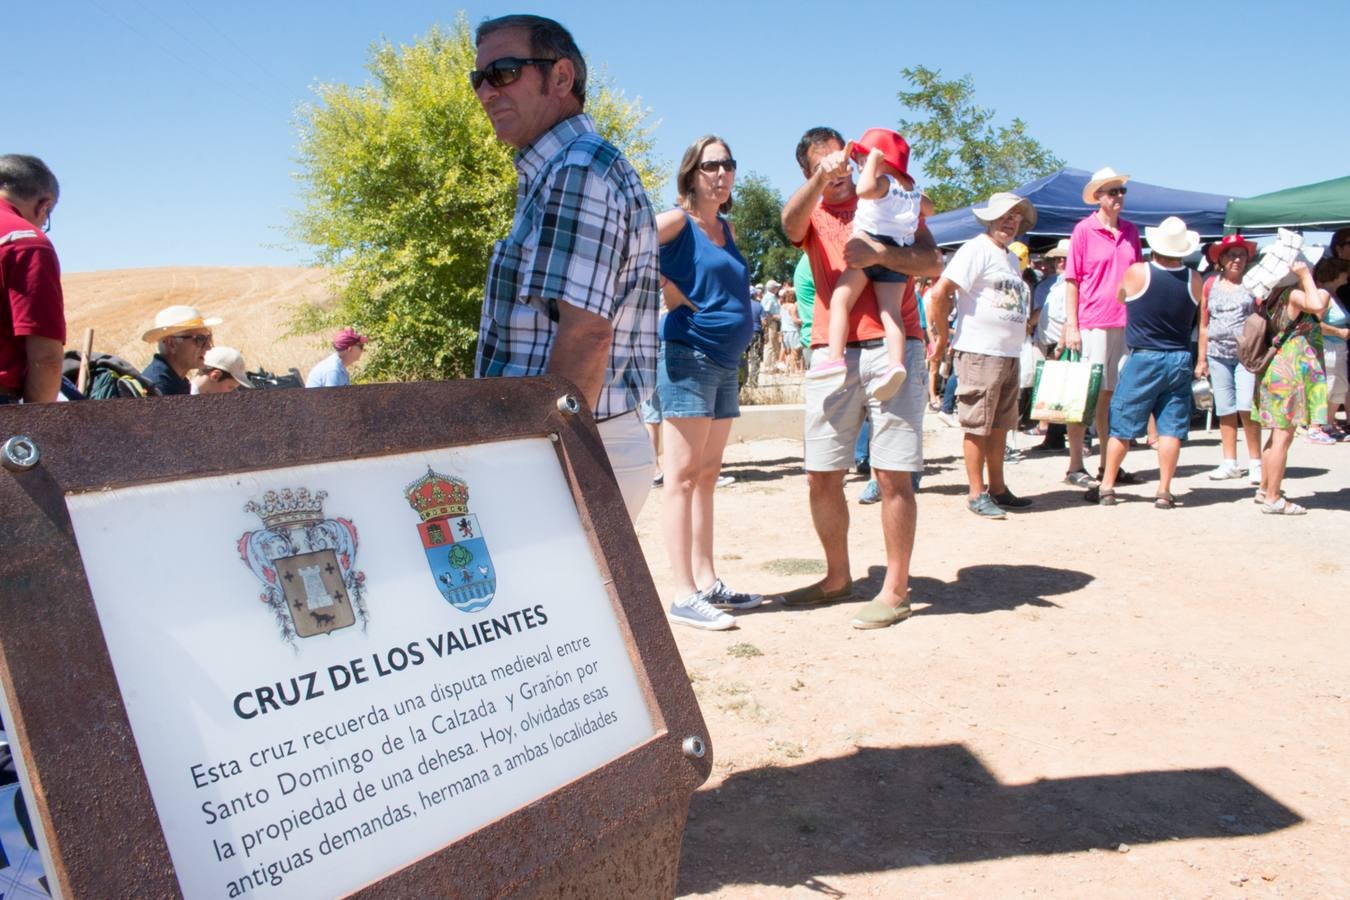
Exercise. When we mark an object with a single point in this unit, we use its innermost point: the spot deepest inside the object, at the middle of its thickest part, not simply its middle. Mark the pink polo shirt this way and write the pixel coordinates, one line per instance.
(1097, 261)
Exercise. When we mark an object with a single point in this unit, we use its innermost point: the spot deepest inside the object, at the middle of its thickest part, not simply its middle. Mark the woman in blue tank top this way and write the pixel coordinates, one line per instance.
(707, 290)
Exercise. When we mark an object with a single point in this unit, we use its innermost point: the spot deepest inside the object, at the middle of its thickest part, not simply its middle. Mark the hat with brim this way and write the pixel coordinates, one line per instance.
(176, 320)
(1001, 203)
(894, 148)
(230, 361)
(1100, 179)
(1060, 251)
(1230, 241)
(1171, 238)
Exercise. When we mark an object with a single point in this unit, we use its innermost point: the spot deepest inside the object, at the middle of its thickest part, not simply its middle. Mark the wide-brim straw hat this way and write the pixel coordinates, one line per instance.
(999, 205)
(1172, 238)
(1060, 251)
(1100, 179)
(176, 320)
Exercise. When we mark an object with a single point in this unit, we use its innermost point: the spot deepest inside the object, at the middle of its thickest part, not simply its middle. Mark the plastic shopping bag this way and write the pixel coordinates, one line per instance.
(1066, 390)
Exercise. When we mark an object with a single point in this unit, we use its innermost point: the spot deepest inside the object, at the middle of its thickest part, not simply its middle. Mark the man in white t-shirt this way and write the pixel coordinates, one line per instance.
(991, 325)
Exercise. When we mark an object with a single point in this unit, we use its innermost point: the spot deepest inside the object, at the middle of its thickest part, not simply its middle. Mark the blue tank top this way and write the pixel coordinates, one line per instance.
(716, 280)
(1161, 317)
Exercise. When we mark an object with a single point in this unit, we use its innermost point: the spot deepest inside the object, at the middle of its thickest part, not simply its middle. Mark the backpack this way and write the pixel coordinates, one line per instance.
(1254, 345)
(110, 377)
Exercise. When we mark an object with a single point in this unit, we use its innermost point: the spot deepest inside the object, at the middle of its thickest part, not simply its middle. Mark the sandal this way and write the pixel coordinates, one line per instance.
(1164, 501)
(1122, 477)
(1100, 496)
(1284, 507)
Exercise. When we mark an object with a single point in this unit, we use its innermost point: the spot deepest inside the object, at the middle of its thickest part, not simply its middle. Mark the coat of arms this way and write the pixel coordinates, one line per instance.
(306, 563)
(454, 544)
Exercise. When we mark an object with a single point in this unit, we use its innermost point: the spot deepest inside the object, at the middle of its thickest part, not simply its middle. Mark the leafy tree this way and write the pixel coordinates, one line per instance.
(965, 156)
(756, 214)
(405, 190)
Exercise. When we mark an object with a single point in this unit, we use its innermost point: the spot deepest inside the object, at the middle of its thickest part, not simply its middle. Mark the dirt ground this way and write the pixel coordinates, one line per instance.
(1118, 702)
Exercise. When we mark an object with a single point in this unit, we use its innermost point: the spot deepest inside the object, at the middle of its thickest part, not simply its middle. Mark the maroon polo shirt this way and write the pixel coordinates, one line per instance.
(31, 302)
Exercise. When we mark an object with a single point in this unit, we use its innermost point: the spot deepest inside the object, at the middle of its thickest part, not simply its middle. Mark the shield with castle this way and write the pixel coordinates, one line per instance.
(454, 544)
(306, 563)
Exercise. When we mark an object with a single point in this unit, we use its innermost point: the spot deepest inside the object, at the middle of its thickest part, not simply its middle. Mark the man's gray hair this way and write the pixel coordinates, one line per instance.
(26, 177)
(548, 40)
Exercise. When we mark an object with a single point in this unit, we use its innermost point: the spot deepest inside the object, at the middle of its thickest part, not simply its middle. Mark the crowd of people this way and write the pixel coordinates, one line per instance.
(649, 314)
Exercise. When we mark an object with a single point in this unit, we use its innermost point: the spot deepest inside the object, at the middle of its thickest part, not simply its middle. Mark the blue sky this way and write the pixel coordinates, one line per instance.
(172, 124)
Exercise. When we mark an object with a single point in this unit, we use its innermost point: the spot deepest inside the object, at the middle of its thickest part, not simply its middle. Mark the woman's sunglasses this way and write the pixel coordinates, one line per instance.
(712, 165)
(501, 72)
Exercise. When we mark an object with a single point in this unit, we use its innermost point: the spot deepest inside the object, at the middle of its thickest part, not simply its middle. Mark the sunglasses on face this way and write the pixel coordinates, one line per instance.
(501, 72)
(1114, 192)
(201, 340)
(712, 165)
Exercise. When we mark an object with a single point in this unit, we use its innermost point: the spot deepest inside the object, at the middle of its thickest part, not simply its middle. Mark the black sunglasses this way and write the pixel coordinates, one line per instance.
(712, 165)
(201, 340)
(501, 72)
(1114, 192)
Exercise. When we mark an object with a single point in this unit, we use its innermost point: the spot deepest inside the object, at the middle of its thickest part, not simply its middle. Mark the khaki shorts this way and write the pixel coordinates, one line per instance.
(986, 392)
(1105, 346)
(834, 414)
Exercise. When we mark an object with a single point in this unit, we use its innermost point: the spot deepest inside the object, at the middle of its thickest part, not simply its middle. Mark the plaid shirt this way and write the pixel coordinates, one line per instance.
(584, 234)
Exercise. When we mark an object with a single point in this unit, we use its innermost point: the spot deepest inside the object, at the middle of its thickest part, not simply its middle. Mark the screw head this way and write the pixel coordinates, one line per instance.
(694, 748)
(569, 405)
(19, 453)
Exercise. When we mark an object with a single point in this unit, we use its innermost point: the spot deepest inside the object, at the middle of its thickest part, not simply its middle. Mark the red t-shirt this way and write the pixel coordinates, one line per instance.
(31, 302)
(830, 229)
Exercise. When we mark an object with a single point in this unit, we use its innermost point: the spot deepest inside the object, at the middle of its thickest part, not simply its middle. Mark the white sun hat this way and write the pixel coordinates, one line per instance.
(999, 204)
(1172, 238)
(176, 320)
(1100, 179)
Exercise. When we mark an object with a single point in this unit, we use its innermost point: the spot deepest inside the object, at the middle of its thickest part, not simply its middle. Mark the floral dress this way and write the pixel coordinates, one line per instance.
(1293, 390)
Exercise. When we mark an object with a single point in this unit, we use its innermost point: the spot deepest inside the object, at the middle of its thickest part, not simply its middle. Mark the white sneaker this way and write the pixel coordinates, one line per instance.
(724, 480)
(1254, 473)
(697, 612)
(1228, 469)
(948, 419)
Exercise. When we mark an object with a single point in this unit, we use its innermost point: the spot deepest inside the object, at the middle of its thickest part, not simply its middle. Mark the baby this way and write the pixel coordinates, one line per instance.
(889, 209)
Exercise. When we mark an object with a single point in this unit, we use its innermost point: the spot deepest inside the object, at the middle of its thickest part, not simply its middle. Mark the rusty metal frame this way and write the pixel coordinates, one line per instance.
(614, 831)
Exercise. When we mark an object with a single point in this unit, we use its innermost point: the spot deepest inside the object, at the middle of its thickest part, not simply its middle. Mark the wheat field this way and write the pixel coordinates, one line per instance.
(257, 305)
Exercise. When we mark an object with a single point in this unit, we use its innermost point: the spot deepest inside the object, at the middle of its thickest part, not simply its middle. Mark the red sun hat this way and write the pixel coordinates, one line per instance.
(894, 148)
(1229, 241)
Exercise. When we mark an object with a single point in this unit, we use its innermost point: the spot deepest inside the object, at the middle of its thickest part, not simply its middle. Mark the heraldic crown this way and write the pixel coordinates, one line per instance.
(435, 496)
(287, 509)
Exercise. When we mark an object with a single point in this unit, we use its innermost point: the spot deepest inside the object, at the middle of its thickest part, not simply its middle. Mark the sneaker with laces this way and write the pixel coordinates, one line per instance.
(723, 597)
(1228, 469)
(697, 612)
(1318, 436)
(1080, 479)
(985, 507)
(871, 493)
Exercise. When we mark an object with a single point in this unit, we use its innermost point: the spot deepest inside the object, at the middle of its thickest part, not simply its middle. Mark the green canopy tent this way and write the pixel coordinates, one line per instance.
(1322, 206)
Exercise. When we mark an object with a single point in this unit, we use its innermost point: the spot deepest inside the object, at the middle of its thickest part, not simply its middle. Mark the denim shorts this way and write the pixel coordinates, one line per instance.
(650, 410)
(1157, 383)
(882, 273)
(1233, 386)
(689, 385)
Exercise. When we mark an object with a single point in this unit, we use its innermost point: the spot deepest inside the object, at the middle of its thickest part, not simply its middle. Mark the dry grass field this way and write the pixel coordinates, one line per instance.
(256, 304)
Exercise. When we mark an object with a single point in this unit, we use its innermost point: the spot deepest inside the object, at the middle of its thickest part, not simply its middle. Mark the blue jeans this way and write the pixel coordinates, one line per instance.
(949, 394)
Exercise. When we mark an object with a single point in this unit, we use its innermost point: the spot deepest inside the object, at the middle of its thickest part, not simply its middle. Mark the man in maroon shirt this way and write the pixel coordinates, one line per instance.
(32, 309)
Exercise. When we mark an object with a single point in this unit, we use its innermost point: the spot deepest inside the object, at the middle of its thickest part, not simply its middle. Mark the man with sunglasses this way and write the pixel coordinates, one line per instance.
(574, 288)
(181, 337)
(32, 306)
(1101, 247)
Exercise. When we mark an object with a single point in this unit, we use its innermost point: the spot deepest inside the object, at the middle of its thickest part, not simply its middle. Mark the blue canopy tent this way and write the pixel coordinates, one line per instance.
(1058, 199)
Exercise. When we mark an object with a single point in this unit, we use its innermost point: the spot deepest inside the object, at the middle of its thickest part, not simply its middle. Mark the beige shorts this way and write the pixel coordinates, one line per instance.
(835, 413)
(631, 457)
(1105, 346)
(987, 388)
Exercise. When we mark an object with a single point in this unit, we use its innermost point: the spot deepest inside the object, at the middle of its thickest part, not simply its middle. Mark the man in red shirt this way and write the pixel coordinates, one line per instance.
(32, 308)
(818, 217)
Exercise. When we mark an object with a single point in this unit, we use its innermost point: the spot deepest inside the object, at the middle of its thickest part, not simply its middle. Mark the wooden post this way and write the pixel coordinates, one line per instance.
(85, 350)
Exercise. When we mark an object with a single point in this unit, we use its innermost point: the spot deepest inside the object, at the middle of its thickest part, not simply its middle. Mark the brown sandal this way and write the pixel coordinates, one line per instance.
(1164, 501)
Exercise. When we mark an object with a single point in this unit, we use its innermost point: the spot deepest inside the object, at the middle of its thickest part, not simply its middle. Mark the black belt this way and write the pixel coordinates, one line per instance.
(873, 344)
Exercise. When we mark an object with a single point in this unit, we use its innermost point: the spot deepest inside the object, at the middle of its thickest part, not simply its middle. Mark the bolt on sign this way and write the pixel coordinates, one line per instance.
(412, 653)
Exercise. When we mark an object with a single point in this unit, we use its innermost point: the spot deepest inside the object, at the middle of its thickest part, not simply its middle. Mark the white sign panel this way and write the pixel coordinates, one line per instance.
(332, 671)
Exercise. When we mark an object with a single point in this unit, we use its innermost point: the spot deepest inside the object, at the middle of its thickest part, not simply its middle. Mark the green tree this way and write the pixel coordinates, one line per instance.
(965, 156)
(756, 214)
(405, 189)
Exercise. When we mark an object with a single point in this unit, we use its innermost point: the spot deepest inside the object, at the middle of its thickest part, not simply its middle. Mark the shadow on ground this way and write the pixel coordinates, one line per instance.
(897, 807)
(984, 588)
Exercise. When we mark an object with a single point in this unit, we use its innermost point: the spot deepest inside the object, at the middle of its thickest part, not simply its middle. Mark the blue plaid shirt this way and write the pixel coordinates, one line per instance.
(584, 234)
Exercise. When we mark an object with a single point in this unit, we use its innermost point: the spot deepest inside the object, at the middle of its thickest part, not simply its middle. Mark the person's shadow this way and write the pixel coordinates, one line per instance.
(984, 588)
(885, 808)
